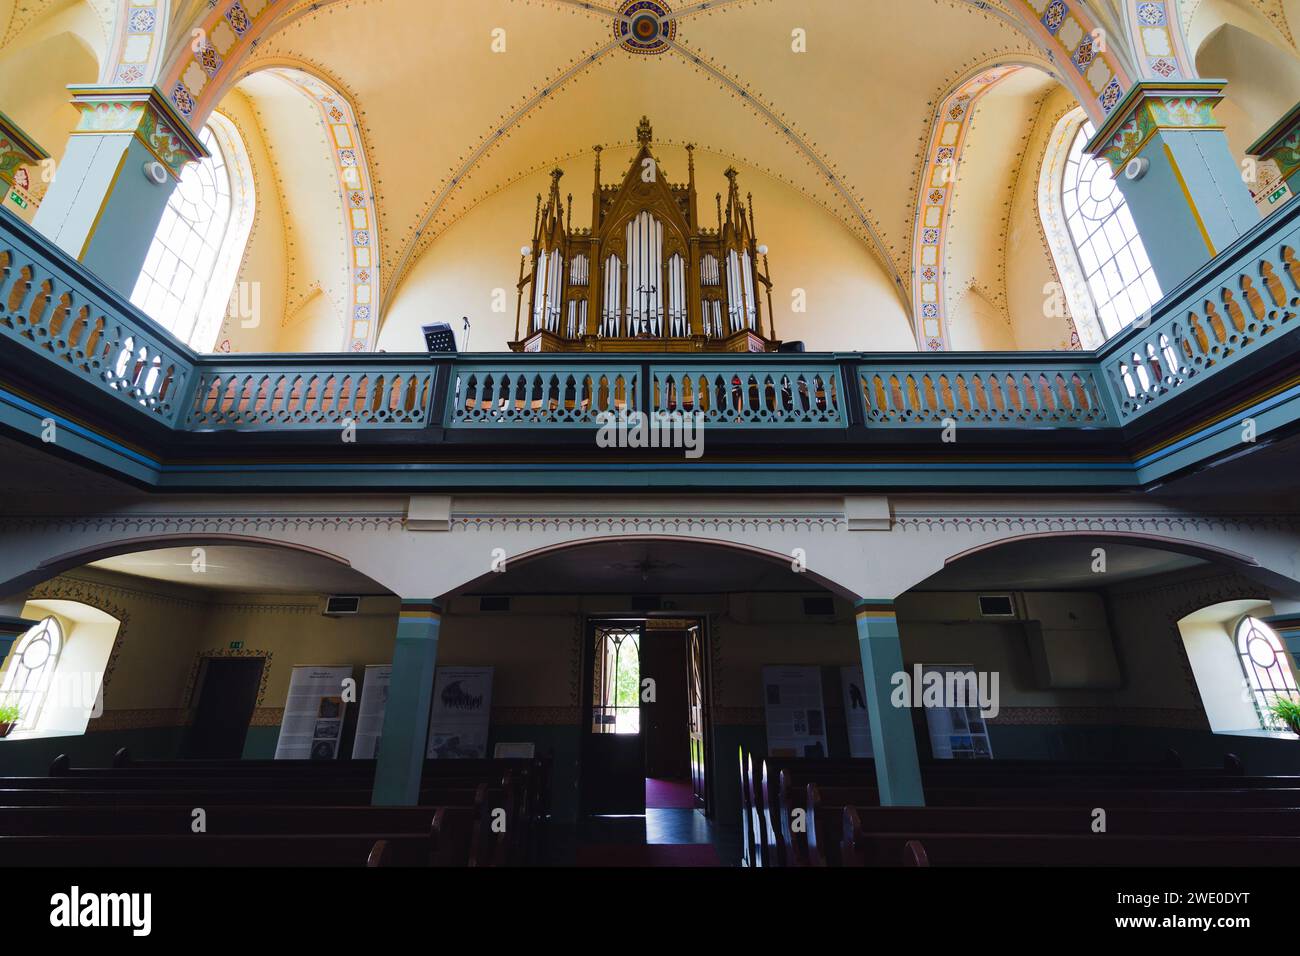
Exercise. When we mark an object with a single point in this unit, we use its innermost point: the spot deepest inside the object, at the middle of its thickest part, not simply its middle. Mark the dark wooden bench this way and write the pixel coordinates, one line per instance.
(849, 843)
(314, 850)
(963, 849)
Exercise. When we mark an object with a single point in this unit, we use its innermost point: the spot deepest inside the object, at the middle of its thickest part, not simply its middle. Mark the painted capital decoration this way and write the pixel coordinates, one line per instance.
(1151, 107)
(1281, 143)
(17, 152)
(143, 113)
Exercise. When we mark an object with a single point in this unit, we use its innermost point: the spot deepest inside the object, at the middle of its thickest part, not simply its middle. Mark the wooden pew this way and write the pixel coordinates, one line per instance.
(313, 850)
(528, 802)
(961, 849)
(265, 801)
(748, 849)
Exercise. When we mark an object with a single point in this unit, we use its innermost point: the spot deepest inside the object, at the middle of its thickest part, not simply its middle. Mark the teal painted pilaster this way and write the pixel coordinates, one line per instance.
(898, 771)
(1190, 202)
(410, 695)
(101, 208)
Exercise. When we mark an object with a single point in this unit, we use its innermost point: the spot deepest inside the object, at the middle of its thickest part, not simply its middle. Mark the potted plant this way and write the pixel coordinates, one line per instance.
(1287, 712)
(8, 718)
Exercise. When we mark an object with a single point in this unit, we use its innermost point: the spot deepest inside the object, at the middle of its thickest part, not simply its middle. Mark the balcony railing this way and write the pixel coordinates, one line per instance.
(1235, 306)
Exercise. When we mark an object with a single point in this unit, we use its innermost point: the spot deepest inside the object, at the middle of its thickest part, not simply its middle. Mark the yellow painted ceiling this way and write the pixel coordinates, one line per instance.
(448, 120)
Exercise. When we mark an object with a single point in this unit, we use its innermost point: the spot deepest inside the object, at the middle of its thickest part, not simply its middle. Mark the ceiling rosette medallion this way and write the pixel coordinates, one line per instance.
(645, 27)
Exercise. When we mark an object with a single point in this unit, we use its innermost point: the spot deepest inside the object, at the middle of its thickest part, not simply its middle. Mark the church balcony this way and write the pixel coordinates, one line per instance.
(1214, 372)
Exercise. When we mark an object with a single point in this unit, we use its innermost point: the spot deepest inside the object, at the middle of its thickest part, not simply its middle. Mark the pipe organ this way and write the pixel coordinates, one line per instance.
(647, 275)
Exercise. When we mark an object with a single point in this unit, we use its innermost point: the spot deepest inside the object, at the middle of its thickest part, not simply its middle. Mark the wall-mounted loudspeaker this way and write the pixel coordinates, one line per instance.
(1137, 168)
(155, 172)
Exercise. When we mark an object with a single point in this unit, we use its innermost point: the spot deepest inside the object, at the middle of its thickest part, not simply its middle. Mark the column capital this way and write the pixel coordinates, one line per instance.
(15, 142)
(1281, 141)
(868, 609)
(1151, 106)
(17, 150)
(1278, 155)
(140, 111)
(420, 610)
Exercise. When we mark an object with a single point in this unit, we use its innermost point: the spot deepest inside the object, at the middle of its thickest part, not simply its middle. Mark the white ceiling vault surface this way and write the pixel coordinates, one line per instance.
(450, 119)
(244, 569)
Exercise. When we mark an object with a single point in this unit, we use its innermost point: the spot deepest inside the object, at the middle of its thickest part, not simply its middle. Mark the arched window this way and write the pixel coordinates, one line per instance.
(31, 670)
(1099, 256)
(1265, 664)
(1105, 238)
(189, 273)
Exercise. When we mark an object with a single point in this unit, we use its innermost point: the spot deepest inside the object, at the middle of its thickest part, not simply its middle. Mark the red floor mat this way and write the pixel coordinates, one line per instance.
(669, 794)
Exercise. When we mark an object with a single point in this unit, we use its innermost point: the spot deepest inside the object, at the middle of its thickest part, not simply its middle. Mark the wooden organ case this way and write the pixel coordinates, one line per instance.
(647, 276)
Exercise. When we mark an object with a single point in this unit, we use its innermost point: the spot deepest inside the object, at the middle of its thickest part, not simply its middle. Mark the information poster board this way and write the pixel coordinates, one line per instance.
(856, 715)
(313, 714)
(796, 717)
(956, 733)
(370, 715)
(461, 713)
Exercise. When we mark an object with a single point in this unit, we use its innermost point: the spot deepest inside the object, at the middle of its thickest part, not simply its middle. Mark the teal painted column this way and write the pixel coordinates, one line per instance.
(410, 695)
(102, 207)
(1172, 162)
(1277, 153)
(898, 772)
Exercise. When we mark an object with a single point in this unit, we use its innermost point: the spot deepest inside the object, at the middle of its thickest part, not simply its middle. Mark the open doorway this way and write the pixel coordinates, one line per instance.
(645, 735)
(226, 700)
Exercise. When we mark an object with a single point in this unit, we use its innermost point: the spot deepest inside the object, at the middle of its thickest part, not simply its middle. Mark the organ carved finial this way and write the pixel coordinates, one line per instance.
(645, 133)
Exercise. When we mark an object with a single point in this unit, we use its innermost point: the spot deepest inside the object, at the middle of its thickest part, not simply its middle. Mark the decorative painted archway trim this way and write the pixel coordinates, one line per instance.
(136, 50)
(201, 66)
(356, 193)
(1158, 42)
(934, 202)
(1070, 36)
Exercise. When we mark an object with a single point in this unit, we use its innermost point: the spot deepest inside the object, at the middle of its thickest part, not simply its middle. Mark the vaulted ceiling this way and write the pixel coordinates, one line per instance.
(463, 105)
(460, 98)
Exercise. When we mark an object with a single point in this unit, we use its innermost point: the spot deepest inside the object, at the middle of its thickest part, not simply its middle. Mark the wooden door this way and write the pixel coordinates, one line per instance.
(226, 700)
(666, 718)
(613, 747)
(698, 710)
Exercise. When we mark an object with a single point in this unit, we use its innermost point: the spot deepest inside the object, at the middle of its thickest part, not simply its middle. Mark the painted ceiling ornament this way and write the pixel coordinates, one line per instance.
(645, 26)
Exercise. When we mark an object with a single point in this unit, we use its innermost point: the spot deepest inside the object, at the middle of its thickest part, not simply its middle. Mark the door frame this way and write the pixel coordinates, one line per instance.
(201, 679)
(589, 623)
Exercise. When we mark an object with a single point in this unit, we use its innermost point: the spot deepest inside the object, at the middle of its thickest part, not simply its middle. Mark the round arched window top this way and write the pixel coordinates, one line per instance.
(1267, 666)
(27, 679)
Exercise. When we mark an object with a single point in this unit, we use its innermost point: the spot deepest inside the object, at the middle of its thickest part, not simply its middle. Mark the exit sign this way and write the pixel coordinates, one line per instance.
(236, 645)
